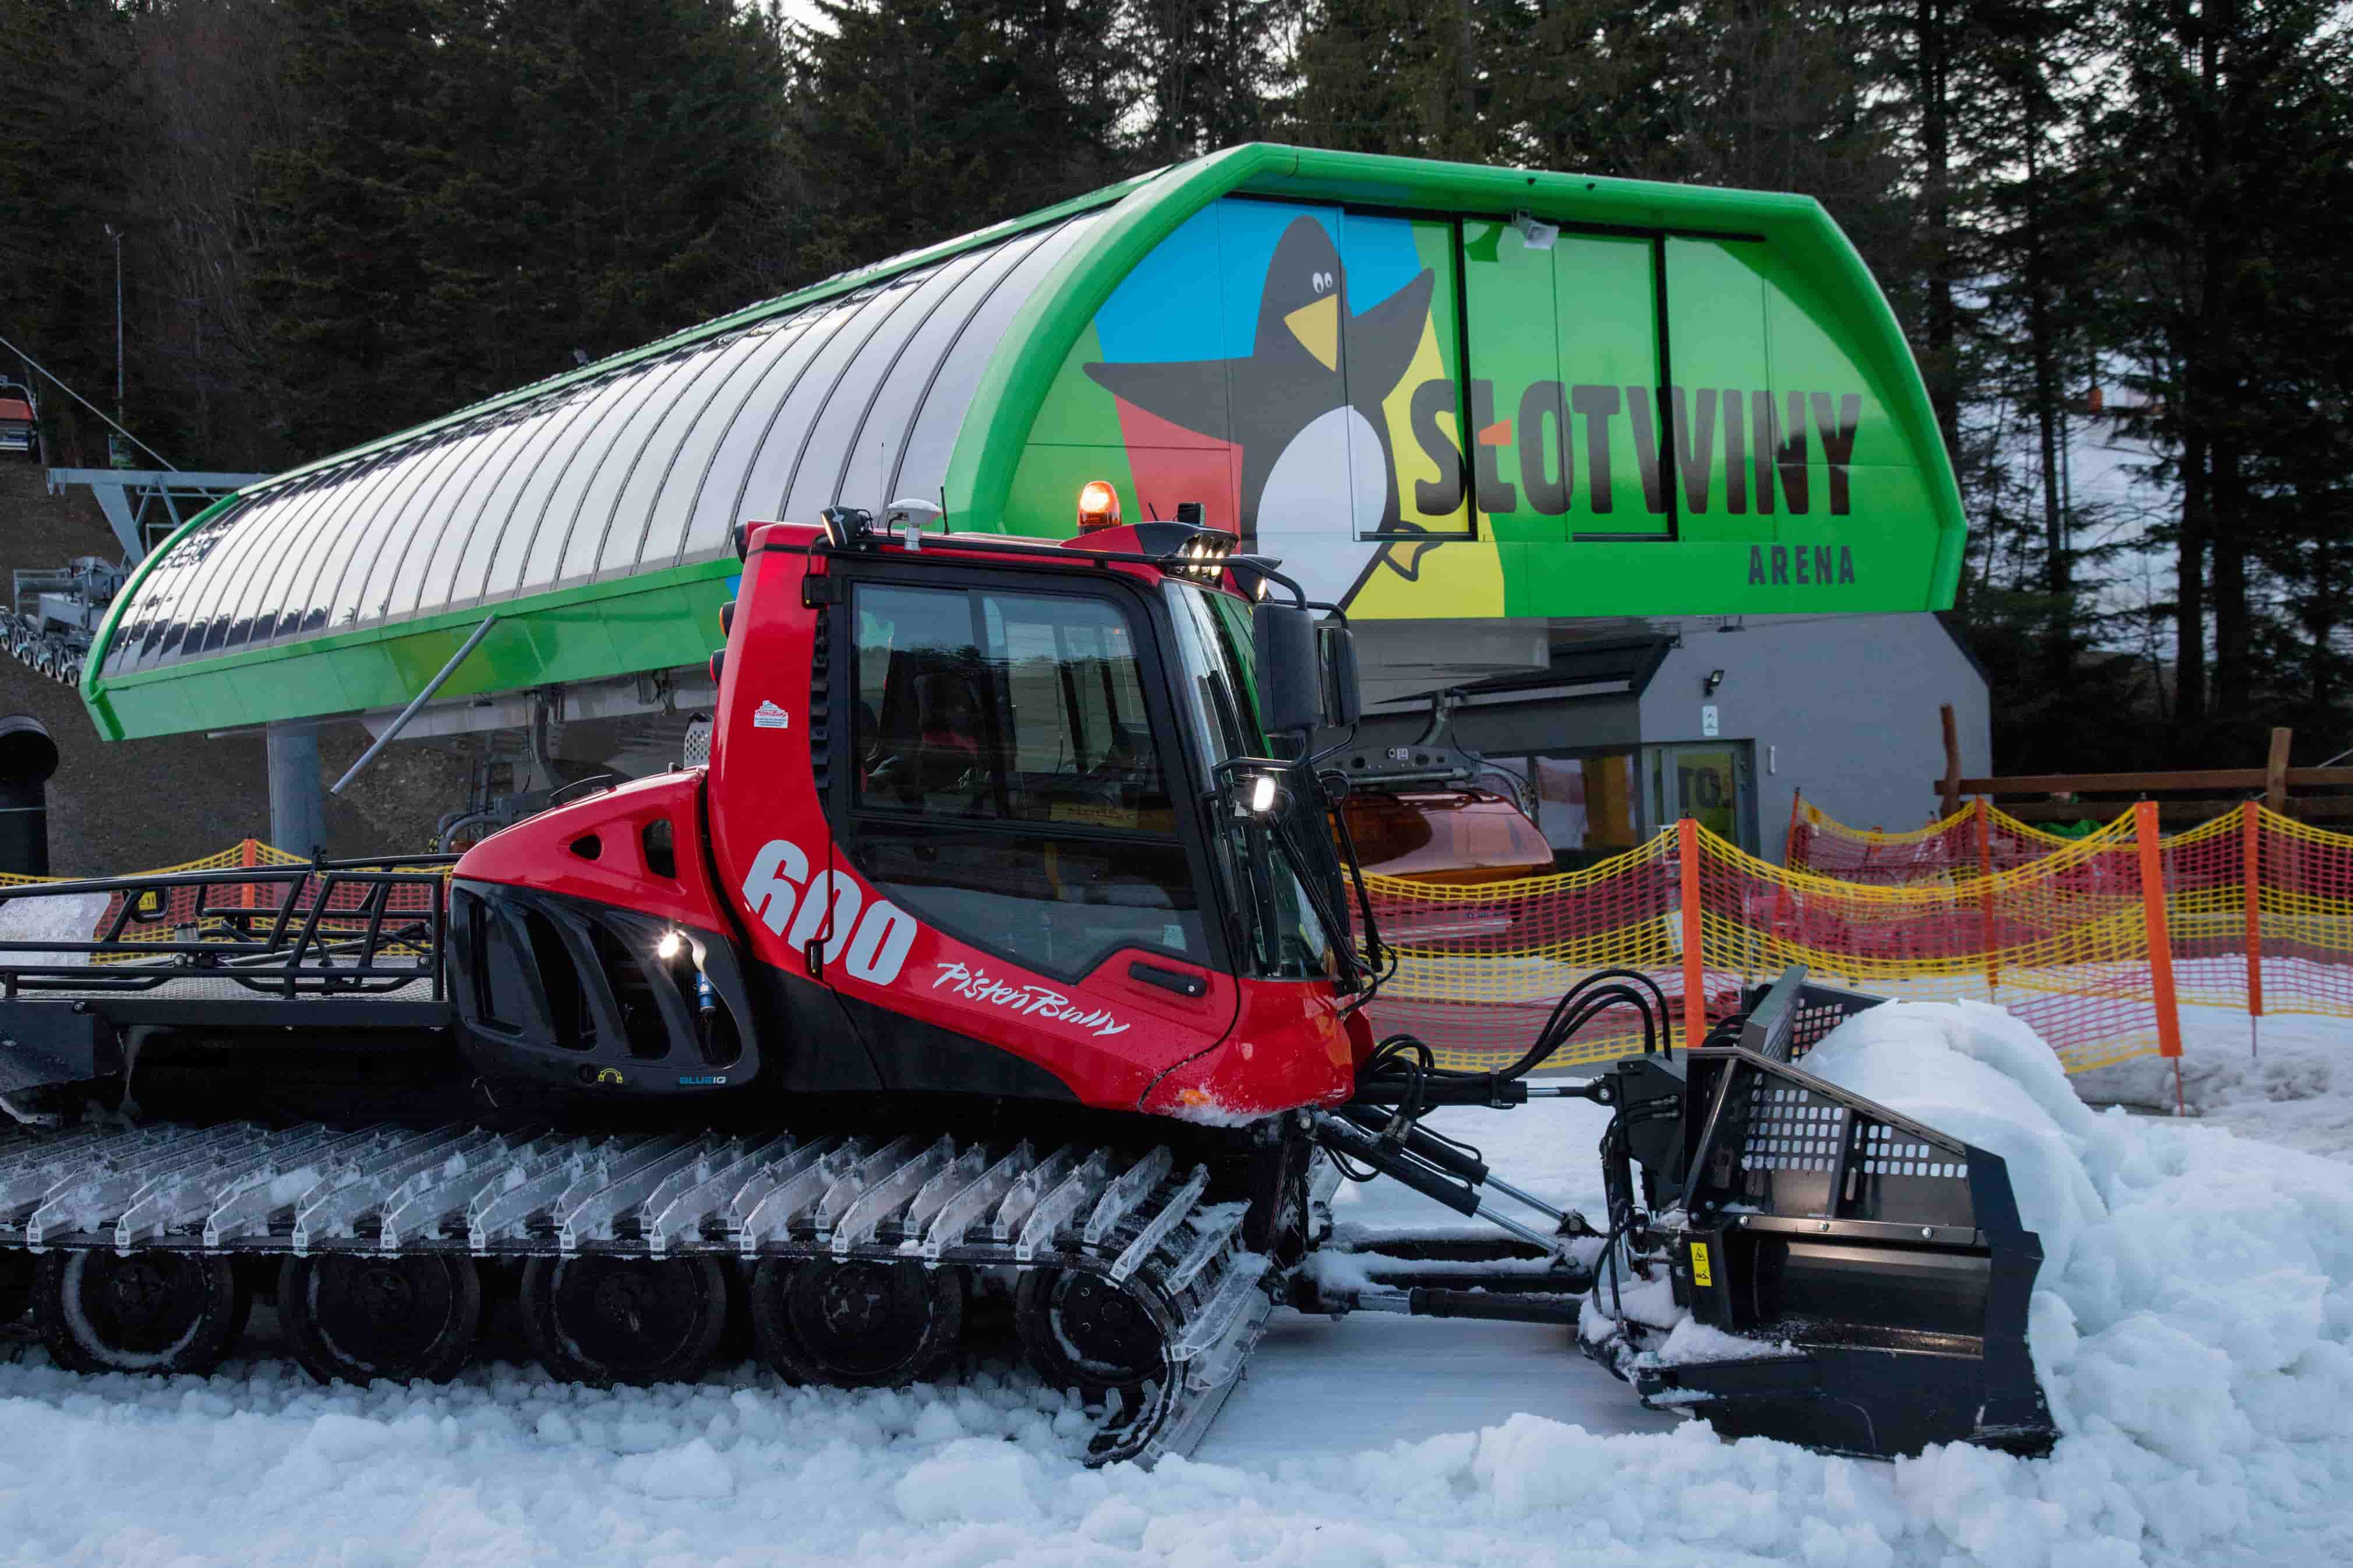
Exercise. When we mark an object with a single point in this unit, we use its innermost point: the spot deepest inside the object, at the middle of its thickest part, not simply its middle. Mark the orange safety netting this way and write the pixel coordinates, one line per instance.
(164, 914)
(2063, 941)
(2259, 906)
(1978, 840)
(1480, 966)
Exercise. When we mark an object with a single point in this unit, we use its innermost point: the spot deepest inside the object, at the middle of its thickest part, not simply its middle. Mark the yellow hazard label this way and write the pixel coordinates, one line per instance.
(1701, 1273)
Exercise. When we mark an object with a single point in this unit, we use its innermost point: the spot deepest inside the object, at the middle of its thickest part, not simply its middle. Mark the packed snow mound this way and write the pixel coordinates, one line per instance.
(1975, 1072)
(71, 917)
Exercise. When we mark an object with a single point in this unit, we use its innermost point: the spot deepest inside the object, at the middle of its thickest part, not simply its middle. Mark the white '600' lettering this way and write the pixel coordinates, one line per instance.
(872, 941)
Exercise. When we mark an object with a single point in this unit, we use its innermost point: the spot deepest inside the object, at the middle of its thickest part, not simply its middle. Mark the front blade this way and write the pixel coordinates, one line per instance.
(1866, 1275)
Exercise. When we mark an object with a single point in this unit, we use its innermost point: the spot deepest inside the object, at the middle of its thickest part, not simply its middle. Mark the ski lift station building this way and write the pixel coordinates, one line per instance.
(1509, 420)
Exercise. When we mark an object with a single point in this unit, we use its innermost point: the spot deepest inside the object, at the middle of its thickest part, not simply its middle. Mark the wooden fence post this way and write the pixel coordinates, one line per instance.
(1950, 790)
(2275, 772)
(2251, 875)
(1694, 982)
(2160, 941)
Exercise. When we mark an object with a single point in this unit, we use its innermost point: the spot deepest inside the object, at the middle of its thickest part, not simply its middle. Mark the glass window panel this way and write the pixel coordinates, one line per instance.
(1008, 786)
(248, 552)
(565, 478)
(177, 580)
(851, 429)
(175, 576)
(323, 552)
(410, 531)
(281, 550)
(507, 523)
(761, 492)
(362, 535)
(682, 431)
(1058, 905)
(602, 467)
(532, 517)
(471, 507)
(229, 566)
(715, 509)
(881, 447)
(279, 603)
(699, 450)
(925, 468)
(1036, 713)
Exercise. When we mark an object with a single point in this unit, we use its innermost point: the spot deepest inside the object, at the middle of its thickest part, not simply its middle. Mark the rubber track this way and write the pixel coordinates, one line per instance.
(244, 1191)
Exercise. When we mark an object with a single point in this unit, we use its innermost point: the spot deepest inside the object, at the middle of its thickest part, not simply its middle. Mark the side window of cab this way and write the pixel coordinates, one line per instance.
(1008, 788)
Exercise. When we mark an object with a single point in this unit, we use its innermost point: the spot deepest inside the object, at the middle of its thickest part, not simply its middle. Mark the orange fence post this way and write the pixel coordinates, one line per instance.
(1687, 869)
(1781, 889)
(1985, 896)
(249, 856)
(2160, 941)
(2251, 874)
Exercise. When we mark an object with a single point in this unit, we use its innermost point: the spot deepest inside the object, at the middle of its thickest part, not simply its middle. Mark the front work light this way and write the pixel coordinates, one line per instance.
(1098, 506)
(672, 943)
(1261, 796)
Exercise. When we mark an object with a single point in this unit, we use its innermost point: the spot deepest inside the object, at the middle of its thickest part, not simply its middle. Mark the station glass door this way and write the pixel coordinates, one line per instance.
(1710, 782)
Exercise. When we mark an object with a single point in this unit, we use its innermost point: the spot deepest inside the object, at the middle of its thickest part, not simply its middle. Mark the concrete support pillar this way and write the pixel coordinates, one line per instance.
(298, 795)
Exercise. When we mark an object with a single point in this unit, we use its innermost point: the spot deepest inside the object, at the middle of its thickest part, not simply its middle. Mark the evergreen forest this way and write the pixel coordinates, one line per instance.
(2114, 223)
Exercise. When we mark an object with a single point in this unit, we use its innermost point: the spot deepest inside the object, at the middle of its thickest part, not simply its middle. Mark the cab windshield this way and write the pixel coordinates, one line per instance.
(1283, 938)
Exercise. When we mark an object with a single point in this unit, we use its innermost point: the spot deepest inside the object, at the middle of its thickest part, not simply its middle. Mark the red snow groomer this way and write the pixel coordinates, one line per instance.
(1006, 948)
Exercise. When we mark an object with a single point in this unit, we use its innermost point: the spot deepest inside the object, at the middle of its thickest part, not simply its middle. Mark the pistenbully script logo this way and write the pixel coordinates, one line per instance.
(1027, 998)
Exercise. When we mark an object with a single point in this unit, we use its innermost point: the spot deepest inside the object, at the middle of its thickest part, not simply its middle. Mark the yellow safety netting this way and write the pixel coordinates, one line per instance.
(2063, 941)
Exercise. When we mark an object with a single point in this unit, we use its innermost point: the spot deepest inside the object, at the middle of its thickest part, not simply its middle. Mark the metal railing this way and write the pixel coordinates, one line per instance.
(299, 943)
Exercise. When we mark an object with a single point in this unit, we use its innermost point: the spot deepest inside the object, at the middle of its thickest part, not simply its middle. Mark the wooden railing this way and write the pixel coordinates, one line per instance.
(2208, 792)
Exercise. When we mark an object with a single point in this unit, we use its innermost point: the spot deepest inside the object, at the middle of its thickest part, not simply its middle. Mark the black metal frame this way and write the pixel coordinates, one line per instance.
(267, 951)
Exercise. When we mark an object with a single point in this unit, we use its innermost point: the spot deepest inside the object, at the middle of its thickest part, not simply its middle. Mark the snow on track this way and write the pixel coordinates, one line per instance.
(2197, 1341)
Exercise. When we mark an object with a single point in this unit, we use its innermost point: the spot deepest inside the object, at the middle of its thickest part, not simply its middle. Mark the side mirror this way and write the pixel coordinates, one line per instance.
(1344, 702)
(1290, 675)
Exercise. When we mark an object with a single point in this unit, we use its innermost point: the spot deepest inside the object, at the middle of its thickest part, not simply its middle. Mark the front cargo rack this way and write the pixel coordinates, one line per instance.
(312, 928)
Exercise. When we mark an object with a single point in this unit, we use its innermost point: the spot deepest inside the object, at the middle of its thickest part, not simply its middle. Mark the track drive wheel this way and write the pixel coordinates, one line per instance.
(859, 1324)
(149, 1311)
(359, 1318)
(606, 1320)
(1080, 1330)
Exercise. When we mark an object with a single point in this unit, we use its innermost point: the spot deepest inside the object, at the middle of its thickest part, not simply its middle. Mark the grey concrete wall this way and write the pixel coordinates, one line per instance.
(1514, 727)
(1842, 707)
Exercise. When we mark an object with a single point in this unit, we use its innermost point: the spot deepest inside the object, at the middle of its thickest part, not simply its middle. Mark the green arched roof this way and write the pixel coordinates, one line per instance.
(590, 511)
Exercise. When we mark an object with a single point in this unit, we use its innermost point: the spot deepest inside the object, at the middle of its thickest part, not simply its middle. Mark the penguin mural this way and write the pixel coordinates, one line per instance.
(1308, 396)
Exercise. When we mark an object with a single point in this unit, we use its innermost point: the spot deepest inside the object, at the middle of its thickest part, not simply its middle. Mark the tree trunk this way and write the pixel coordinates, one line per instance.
(1937, 157)
(2189, 584)
(2058, 573)
(2227, 536)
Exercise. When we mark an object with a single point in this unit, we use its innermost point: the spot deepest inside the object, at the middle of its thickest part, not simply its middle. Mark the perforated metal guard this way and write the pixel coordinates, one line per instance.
(1794, 1129)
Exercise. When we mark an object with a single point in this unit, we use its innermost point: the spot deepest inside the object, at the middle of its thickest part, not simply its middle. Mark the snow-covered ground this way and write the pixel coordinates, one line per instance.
(2288, 1079)
(2195, 1344)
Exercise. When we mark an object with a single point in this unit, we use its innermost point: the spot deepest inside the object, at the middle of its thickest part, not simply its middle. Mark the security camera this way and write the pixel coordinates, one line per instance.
(1535, 236)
